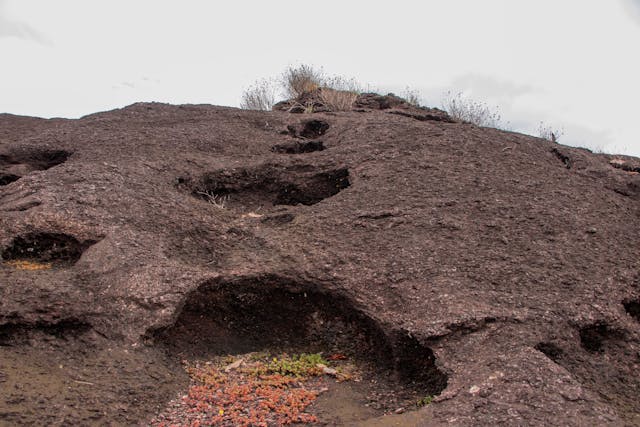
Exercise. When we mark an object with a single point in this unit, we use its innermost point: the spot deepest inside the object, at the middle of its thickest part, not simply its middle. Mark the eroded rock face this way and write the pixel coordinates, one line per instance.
(22, 161)
(497, 270)
(267, 186)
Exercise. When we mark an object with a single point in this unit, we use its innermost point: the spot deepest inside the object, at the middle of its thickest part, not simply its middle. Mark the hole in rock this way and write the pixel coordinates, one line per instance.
(17, 333)
(35, 159)
(593, 337)
(298, 147)
(6, 179)
(550, 350)
(39, 251)
(633, 308)
(314, 129)
(268, 186)
(278, 316)
(608, 367)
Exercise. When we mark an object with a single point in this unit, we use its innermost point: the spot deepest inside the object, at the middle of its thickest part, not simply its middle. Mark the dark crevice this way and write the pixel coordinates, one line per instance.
(621, 192)
(36, 159)
(55, 248)
(310, 129)
(594, 336)
(633, 308)
(314, 129)
(438, 116)
(562, 157)
(603, 361)
(8, 178)
(278, 219)
(19, 333)
(21, 206)
(623, 165)
(267, 186)
(550, 350)
(28, 160)
(298, 147)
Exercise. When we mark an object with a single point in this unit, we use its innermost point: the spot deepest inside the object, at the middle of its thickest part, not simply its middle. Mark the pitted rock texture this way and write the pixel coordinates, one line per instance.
(509, 263)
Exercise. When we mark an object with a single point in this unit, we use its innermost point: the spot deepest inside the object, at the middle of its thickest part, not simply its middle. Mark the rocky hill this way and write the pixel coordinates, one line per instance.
(497, 272)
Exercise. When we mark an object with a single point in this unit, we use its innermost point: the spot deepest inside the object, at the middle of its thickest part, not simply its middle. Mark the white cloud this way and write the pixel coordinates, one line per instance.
(482, 86)
(18, 29)
(633, 8)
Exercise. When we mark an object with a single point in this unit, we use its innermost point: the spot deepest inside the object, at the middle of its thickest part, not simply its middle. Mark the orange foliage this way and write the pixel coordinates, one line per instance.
(249, 396)
(28, 265)
(337, 356)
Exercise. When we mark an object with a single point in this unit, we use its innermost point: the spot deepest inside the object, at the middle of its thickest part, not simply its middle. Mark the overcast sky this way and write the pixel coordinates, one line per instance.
(573, 64)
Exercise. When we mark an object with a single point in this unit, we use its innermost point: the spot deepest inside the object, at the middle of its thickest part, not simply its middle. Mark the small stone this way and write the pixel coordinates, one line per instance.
(592, 230)
(399, 410)
(252, 215)
(234, 365)
(474, 389)
(326, 370)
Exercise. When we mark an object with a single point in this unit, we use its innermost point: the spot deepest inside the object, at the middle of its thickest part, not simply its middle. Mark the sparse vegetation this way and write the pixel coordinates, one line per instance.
(467, 110)
(337, 92)
(217, 200)
(260, 96)
(412, 96)
(549, 133)
(338, 100)
(301, 79)
(343, 84)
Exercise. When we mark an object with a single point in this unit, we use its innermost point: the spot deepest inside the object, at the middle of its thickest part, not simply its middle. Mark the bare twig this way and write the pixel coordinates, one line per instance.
(217, 200)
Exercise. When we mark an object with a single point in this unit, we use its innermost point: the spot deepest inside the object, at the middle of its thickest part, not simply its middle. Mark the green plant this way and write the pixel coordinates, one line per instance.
(467, 110)
(425, 401)
(297, 365)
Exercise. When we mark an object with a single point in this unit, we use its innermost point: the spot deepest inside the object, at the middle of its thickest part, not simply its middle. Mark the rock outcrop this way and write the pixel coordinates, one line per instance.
(500, 270)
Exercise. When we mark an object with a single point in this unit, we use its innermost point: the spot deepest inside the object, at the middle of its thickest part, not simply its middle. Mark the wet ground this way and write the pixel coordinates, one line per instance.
(67, 381)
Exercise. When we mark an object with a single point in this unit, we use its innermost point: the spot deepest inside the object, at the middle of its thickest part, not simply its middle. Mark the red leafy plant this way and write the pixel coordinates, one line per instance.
(253, 390)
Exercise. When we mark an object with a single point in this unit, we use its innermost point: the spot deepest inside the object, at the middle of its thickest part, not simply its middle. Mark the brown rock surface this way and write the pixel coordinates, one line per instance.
(496, 270)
